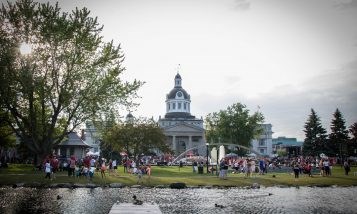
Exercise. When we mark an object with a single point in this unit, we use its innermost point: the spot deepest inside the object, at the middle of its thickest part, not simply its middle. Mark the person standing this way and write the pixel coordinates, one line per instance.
(91, 173)
(296, 169)
(148, 170)
(103, 168)
(346, 165)
(124, 164)
(115, 168)
(180, 165)
(225, 169)
(110, 166)
(194, 166)
(55, 166)
(72, 166)
(326, 165)
(48, 169)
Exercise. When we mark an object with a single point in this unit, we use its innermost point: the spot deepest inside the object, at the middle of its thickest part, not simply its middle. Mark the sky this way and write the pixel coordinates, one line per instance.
(281, 57)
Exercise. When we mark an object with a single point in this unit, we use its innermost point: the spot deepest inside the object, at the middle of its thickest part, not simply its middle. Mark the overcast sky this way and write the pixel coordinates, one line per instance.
(286, 56)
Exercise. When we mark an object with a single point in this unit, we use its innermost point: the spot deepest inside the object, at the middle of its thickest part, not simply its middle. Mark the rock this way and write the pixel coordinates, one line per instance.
(64, 185)
(136, 186)
(178, 185)
(20, 184)
(255, 186)
(116, 185)
(79, 185)
(92, 186)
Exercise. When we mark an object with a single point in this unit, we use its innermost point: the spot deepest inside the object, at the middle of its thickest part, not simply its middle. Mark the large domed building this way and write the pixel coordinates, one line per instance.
(183, 130)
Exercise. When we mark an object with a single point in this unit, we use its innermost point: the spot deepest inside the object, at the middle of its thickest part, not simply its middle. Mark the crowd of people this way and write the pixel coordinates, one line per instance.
(91, 165)
(249, 166)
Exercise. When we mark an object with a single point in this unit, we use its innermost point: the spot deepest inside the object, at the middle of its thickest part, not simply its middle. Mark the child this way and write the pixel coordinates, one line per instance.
(139, 172)
(77, 172)
(91, 172)
(48, 170)
(102, 169)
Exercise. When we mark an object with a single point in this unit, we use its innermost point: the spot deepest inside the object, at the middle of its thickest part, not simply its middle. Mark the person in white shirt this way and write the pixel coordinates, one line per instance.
(48, 169)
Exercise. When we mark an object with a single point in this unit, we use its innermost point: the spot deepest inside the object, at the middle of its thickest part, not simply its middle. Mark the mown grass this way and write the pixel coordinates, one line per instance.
(165, 175)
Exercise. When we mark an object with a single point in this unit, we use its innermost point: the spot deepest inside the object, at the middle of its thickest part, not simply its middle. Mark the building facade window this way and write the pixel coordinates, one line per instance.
(178, 105)
(262, 151)
(173, 105)
(184, 106)
(261, 142)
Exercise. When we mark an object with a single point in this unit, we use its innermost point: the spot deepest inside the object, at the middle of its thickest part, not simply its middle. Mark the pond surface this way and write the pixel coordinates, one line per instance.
(234, 200)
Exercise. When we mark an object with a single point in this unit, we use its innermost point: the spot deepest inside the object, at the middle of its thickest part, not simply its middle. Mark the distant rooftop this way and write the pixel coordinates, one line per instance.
(287, 141)
(74, 140)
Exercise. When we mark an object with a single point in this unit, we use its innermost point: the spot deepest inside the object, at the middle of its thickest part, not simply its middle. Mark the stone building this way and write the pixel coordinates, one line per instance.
(183, 130)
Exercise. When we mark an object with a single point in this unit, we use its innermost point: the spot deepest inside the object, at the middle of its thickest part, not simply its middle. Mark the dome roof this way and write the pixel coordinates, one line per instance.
(173, 92)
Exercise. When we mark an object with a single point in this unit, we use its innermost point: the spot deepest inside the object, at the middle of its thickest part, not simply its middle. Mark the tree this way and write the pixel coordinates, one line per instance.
(140, 136)
(233, 125)
(338, 138)
(7, 136)
(352, 148)
(282, 152)
(71, 76)
(315, 136)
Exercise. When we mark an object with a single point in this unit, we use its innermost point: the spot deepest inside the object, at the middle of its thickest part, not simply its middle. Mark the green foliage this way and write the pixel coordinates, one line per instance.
(315, 136)
(71, 76)
(352, 146)
(140, 136)
(233, 125)
(281, 152)
(338, 138)
(7, 136)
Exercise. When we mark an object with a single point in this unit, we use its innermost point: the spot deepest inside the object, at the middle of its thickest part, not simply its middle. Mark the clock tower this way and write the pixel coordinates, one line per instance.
(184, 131)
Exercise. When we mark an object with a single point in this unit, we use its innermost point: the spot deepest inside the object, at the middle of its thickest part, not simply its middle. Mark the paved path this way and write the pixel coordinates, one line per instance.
(130, 208)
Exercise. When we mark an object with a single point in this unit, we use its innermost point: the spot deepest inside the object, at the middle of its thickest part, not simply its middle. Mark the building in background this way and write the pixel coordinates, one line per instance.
(264, 144)
(73, 146)
(90, 136)
(290, 146)
(183, 130)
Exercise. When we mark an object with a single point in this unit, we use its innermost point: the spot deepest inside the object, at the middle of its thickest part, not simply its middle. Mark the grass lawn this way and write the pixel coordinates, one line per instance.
(165, 175)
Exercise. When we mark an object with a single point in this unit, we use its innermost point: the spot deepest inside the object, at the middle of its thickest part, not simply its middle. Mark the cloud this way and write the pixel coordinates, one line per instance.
(345, 4)
(287, 106)
(242, 4)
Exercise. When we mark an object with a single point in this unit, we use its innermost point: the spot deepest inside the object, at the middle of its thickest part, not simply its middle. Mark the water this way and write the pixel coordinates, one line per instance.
(234, 200)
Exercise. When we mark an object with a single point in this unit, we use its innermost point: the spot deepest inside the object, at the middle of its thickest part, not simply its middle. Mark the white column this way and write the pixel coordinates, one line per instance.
(189, 142)
(174, 143)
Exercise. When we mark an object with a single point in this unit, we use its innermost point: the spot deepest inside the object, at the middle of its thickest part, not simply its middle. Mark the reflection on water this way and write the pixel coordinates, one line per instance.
(234, 200)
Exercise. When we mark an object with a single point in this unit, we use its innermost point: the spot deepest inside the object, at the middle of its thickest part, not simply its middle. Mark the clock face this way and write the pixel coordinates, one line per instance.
(179, 94)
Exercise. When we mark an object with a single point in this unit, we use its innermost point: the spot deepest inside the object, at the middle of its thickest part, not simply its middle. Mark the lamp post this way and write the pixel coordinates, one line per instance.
(207, 144)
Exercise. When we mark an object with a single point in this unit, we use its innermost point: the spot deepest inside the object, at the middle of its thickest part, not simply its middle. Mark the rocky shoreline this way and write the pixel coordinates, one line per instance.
(170, 186)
